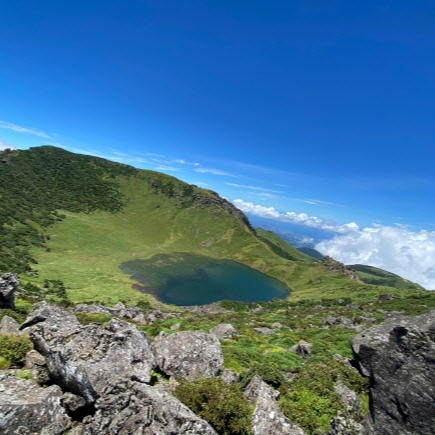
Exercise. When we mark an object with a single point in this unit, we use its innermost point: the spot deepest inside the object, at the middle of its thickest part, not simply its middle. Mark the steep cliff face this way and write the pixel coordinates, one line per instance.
(398, 356)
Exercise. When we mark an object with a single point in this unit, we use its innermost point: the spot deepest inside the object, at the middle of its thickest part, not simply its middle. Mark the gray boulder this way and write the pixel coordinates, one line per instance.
(224, 331)
(303, 348)
(9, 326)
(264, 331)
(28, 409)
(135, 408)
(268, 418)
(83, 361)
(399, 358)
(349, 398)
(341, 425)
(8, 285)
(58, 322)
(189, 354)
(119, 310)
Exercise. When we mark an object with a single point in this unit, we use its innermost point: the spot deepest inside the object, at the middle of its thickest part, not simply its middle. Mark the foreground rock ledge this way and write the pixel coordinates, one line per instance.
(399, 358)
(26, 408)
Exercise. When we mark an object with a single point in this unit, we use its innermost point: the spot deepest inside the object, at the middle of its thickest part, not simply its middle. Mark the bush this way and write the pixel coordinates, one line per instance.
(13, 349)
(220, 404)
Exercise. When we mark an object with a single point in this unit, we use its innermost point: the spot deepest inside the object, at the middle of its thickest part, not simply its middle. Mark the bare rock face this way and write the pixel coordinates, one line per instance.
(119, 310)
(337, 267)
(224, 331)
(83, 360)
(189, 354)
(9, 326)
(135, 408)
(28, 409)
(58, 322)
(8, 285)
(268, 418)
(399, 358)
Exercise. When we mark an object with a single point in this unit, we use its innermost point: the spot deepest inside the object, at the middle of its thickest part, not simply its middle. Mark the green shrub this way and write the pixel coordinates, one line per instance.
(13, 348)
(220, 404)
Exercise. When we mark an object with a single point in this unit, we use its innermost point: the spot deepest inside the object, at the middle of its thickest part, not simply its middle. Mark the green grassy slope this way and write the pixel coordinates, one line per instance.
(311, 252)
(281, 247)
(80, 217)
(375, 276)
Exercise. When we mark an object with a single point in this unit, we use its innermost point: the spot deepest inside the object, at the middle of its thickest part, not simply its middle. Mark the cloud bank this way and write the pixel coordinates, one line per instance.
(294, 218)
(406, 253)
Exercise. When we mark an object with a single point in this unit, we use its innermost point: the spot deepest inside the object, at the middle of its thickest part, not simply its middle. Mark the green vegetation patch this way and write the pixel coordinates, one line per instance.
(220, 404)
(13, 350)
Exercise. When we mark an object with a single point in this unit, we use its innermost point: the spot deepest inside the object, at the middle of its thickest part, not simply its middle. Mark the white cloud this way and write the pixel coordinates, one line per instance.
(317, 202)
(19, 129)
(4, 145)
(399, 250)
(166, 168)
(214, 172)
(262, 189)
(294, 218)
(183, 162)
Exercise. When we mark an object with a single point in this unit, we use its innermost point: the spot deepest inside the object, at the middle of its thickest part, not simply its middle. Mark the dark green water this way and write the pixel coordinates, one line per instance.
(187, 279)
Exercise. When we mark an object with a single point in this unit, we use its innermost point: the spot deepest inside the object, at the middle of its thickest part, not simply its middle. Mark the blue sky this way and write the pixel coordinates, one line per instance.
(312, 112)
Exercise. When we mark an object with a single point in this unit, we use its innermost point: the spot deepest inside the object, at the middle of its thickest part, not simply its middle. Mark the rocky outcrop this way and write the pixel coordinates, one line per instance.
(9, 326)
(135, 408)
(337, 267)
(264, 331)
(58, 322)
(8, 285)
(189, 354)
(268, 418)
(82, 359)
(26, 408)
(398, 356)
(303, 348)
(224, 331)
(119, 310)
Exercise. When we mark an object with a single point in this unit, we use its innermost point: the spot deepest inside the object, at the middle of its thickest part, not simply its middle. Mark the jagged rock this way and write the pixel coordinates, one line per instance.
(338, 321)
(8, 285)
(341, 425)
(153, 315)
(72, 403)
(264, 331)
(336, 267)
(365, 320)
(268, 418)
(135, 408)
(36, 362)
(348, 397)
(27, 409)
(229, 376)
(385, 297)
(9, 326)
(83, 360)
(343, 360)
(58, 322)
(398, 356)
(34, 359)
(189, 354)
(224, 331)
(176, 327)
(277, 325)
(303, 348)
(120, 310)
